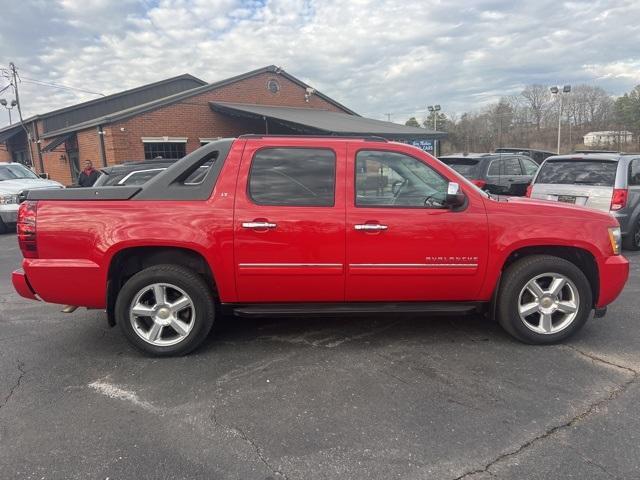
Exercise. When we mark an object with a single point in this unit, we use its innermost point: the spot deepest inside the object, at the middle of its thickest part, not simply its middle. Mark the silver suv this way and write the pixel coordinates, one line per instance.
(604, 181)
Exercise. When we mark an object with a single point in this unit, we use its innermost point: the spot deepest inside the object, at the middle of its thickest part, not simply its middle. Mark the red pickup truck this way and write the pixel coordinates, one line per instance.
(267, 225)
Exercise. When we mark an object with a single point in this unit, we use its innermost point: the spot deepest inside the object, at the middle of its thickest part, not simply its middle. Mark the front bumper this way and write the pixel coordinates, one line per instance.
(22, 286)
(614, 272)
(9, 213)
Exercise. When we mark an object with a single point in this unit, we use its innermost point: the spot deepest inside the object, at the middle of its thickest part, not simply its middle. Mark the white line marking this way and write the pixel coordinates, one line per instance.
(117, 392)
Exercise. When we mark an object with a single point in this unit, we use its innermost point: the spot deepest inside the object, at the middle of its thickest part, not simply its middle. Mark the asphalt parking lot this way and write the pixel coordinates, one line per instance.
(357, 398)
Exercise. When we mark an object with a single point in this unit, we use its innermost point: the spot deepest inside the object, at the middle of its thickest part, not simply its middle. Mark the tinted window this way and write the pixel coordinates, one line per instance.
(495, 168)
(512, 167)
(587, 172)
(530, 167)
(293, 176)
(466, 167)
(505, 166)
(634, 172)
(389, 179)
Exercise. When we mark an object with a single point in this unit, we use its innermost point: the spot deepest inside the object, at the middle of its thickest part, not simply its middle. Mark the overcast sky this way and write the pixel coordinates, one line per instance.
(376, 57)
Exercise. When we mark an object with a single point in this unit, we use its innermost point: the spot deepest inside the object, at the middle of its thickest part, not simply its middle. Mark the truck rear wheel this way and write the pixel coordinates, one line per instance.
(543, 299)
(165, 310)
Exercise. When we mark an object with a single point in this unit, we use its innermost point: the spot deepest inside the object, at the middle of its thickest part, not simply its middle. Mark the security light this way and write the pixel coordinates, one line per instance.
(566, 89)
(554, 90)
(3, 102)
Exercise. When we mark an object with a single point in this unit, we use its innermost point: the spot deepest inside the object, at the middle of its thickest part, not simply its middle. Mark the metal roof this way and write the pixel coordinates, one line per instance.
(308, 120)
(161, 102)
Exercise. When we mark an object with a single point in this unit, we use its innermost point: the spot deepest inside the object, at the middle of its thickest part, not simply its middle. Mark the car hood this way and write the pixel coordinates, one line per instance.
(10, 187)
(550, 207)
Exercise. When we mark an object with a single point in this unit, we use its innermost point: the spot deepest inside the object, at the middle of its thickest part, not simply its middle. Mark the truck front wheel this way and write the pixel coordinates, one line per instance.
(165, 310)
(543, 299)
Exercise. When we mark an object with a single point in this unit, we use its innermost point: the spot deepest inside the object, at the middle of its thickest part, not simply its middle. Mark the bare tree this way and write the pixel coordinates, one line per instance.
(537, 98)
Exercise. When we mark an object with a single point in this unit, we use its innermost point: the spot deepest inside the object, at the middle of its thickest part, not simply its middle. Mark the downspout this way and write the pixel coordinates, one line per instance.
(266, 126)
(37, 137)
(103, 155)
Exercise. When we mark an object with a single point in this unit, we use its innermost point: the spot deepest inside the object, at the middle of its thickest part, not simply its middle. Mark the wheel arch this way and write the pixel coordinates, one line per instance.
(580, 257)
(130, 260)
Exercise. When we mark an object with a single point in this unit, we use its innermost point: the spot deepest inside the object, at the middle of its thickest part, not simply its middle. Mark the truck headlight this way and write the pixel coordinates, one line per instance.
(9, 199)
(615, 237)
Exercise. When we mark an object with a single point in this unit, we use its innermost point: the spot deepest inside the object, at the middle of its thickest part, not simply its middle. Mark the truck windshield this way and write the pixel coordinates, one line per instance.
(585, 172)
(13, 172)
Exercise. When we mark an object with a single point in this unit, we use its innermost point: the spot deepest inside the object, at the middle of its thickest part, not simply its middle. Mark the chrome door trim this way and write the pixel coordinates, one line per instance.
(414, 265)
(288, 265)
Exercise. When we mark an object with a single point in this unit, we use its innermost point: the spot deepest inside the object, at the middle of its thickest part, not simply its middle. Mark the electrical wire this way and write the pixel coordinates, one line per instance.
(57, 85)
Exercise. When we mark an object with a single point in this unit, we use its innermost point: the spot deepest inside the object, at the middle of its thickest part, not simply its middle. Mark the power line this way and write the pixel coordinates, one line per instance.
(57, 85)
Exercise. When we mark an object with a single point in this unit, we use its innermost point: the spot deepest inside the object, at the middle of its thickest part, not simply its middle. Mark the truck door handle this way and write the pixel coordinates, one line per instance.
(258, 225)
(370, 227)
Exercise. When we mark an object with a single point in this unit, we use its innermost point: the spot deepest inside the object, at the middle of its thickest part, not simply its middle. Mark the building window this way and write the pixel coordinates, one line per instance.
(172, 150)
(273, 86)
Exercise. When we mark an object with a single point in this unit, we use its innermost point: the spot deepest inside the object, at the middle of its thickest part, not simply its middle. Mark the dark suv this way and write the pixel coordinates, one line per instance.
(501, 174)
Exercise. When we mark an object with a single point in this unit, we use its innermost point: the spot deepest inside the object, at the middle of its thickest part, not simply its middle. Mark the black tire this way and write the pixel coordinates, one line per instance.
(513, 282)
(185, 279)
(632, 240)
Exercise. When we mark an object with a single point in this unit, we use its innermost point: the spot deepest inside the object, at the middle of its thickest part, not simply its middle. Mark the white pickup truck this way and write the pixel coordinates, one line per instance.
(15, 178)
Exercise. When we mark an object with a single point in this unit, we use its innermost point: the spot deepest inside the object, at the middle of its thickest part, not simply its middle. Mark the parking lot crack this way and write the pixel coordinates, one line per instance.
(16, 385)
(256, 448)
(590, 410)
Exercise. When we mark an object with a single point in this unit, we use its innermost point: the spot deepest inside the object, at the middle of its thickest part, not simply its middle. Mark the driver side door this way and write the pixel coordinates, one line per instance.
(402, 243)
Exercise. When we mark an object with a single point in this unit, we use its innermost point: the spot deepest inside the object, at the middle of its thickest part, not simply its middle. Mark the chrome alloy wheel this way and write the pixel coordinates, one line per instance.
(162, 314)
(548, 303)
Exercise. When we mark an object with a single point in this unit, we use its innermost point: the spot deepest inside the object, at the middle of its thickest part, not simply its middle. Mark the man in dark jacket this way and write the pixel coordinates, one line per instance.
(88, 176)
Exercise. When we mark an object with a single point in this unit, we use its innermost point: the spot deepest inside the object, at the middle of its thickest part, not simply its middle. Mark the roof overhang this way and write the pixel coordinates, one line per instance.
(8, 133)
(325, 122)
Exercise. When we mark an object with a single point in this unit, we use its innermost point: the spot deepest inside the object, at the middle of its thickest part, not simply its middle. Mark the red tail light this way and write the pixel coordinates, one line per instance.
(27, 229)
(479, 183)
(529, 190)
(619, 198)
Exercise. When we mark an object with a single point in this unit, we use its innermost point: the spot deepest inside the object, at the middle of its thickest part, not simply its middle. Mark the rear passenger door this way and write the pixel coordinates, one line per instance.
(289, 222)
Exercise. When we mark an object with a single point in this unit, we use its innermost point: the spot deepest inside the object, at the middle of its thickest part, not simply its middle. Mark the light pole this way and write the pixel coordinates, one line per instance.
(434, 109)
(4, 103)
(556, 91)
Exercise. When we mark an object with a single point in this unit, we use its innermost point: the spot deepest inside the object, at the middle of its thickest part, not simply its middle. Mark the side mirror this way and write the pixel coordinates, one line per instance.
(455, 197)
(44, 175)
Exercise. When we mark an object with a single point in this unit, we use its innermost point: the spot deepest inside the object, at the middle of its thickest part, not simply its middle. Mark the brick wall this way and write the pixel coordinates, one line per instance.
(194, 119)
(5, 155)
(191, 118)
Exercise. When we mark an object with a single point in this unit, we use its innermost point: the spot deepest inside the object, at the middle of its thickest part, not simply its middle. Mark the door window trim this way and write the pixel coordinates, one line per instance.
(355, 173)
(292, 147)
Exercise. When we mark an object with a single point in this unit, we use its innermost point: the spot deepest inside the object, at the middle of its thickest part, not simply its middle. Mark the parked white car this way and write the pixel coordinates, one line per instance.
(15, 179)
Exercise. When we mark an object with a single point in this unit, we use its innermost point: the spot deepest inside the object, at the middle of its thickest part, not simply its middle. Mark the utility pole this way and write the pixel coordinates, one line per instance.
(14, 74)
(388, 117)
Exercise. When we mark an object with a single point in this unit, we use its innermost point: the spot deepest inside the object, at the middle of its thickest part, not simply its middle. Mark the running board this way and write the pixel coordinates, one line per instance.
(295, 309)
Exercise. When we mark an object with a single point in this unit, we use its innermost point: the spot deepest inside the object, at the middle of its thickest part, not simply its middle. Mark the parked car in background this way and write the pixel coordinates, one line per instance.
(604, 181)
(132, 173)
(537, 156)
(15, 179)
(500, 174)
(139, 173)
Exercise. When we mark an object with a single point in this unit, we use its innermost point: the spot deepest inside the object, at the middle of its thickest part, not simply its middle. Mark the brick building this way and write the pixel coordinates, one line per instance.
(176, 116)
